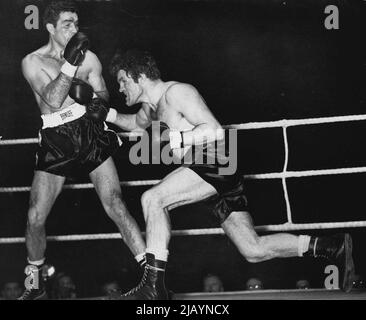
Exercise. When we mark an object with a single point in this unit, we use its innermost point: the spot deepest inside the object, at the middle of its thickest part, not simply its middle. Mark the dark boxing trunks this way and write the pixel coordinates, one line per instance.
(230, 188)
(75, 148)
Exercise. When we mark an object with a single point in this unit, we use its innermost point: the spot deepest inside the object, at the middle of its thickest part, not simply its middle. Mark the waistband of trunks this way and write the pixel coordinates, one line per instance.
(71, 113)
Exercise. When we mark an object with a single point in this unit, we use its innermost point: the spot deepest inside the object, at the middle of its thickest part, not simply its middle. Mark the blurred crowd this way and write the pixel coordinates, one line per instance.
(61, 286)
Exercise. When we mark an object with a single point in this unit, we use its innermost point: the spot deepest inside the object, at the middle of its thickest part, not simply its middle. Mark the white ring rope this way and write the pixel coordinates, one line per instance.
(261, 176)
(274, 175)
(137, 183)
(201, 232)
(283, 178)
(294, 122)
(35, 140)
(242, 126)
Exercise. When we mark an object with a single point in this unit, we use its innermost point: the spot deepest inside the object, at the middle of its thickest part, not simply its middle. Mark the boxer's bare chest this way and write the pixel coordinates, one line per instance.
(169, 113)
(52, 66)
(171, 116)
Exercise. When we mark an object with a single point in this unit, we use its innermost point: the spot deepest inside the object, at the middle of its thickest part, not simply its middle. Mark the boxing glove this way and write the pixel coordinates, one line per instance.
(98, 110)
(75, 49)
(81, 91)
(162, 134)
(175, 137)
(74, 53)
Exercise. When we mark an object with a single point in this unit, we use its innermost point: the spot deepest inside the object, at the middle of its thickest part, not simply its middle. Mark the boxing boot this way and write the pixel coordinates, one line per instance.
(35, 284)
(338, 250)
(152, 285)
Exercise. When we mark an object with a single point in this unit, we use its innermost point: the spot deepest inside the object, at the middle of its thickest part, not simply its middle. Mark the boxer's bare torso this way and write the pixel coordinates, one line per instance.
(167, 112)
(43, 66)
(177, 104)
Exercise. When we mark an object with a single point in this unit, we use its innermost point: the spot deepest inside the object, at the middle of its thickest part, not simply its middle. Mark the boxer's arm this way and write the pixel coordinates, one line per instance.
(95, 77)
(134, 122)
(186, 100)
(52, 93)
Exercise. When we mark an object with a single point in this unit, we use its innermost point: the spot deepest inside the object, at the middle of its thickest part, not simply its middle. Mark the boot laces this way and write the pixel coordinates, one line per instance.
(27, 292)
(25, 295)
(140, 285)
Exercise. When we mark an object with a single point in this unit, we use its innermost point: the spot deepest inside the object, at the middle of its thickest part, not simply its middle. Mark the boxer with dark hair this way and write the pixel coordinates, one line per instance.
(190, 123)
(66, 79)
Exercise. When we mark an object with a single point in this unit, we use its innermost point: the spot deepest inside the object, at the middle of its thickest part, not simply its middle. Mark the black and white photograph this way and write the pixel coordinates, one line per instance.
(183, 150)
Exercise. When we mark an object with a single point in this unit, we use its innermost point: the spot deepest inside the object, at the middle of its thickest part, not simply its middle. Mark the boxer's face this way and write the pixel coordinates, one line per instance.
(67, 25)
(129, 88)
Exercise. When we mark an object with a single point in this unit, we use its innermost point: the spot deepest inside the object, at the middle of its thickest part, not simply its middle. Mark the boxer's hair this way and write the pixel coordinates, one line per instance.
(55, 8)
(135, 62)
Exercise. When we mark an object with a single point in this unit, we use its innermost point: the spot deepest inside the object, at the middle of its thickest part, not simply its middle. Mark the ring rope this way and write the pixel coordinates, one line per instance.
(137, 183)
(282, 175)
(295, 122)
(241, 126)
(283, 178)
(261, 176)
(199, 232)
(35, 140)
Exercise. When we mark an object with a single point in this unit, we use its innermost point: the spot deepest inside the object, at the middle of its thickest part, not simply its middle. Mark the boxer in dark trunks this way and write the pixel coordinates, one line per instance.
(191, 125)
(66, 79)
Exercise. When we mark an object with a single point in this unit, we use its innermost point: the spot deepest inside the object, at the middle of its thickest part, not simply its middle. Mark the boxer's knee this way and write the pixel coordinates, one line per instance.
(151, 202)
(255, 251)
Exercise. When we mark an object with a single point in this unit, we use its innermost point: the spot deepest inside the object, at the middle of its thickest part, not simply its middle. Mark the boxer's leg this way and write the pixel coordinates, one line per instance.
(184, 186)
(106, 182)
(180, 187)
(44, 191)
(239, 228)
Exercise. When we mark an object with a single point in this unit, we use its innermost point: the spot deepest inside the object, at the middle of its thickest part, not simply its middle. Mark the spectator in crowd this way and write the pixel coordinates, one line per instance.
(254, 284)
(302, 284)
(110, 287)
(63, 287)
(358, 282)
(11, 290)
(212, 283)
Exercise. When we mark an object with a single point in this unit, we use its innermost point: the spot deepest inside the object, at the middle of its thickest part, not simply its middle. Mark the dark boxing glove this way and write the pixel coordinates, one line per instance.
(74, 53)
(98, 110)
(75, 49)
(81, 91)
(161, 140)
(173, 137)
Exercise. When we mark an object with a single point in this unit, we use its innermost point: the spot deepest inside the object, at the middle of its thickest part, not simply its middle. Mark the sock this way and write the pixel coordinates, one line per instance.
(140, 258)
(160, 254)
(37, 263)
(303, 245)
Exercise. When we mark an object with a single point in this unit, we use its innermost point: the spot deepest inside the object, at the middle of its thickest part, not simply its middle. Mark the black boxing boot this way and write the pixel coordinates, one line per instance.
(118, 294)
(338, 250)
(35, 284)
(152, 285)
(142, 264)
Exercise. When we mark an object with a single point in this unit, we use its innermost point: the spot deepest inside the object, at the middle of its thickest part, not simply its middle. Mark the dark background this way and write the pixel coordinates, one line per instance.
(252, 61)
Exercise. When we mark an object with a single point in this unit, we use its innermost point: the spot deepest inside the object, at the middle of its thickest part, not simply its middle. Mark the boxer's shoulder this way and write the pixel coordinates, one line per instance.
(91, 60)
(33, 58)
(91, 64)
(179, 91)
(31, 64)
(35, 64)
(38, 59)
